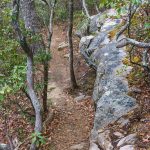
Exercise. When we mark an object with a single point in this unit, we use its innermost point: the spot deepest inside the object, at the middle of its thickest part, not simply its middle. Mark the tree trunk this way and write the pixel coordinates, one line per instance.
(29, 53)
(34, 99)
(72, 75)
(31, 19)
(45, 89)
(46, 63)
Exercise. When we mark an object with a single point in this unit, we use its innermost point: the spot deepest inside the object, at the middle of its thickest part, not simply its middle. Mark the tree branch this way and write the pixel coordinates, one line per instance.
(128, 23)
(96, 6)
(22, 39)
(85, 8)
(126, 41)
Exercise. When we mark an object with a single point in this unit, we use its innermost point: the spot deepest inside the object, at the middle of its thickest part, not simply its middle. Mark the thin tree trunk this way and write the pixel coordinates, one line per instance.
(46, 63)
(72, 75)
(88, 16)
(96, 7)
(29, 53)
(45, 89)
(131, 13)
(32, 94)
(85, 8)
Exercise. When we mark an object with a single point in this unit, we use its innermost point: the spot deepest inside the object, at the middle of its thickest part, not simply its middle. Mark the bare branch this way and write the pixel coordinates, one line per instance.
(50, 29)
(85, 8)
(128, 23)
(96, 6)
(126, 41)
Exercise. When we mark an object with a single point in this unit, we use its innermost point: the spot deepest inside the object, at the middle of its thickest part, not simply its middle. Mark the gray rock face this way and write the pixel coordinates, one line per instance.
(4, 147)
(111, 106)
(111, 86)
(98, 23)
(94, 22)
(110, 91)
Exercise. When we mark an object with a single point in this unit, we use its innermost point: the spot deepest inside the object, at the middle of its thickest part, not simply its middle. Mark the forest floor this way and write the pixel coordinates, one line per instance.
(73, 120)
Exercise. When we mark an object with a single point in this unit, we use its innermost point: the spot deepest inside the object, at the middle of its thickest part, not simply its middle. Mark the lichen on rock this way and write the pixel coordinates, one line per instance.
(111, 86)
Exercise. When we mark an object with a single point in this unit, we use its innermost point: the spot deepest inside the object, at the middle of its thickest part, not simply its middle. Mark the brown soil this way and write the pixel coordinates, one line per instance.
(72, 120)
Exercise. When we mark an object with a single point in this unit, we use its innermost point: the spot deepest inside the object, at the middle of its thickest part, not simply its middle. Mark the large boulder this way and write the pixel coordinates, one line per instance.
(99, 22)
(4, 146)
(111, 86)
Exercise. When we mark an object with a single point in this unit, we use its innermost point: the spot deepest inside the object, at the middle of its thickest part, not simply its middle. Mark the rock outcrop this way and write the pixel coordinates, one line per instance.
(111, 86)
(4, 147)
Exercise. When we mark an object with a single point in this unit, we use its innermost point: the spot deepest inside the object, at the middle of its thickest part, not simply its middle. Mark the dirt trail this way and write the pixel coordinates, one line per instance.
(72, 120)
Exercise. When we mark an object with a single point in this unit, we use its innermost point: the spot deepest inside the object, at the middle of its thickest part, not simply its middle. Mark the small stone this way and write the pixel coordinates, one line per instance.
(93, 146)
(135, 90)
(87, 97)
(79, 98)
(86, 39)
(130, 139)
(104, 140)
(118, 134)
(78, 146)
(123, 122)
(128, 147)
(62, 46)
(66, 55)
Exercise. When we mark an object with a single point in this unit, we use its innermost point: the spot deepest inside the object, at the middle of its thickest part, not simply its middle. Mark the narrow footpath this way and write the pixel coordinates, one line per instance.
(73, 120)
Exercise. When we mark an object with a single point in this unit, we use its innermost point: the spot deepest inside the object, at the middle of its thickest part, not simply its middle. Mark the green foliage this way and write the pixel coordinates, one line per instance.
(79, 16)
(13, 82)
(61, 11)
(38, 139)
(12, 60)
(147, 25)
(42, 56)
(83, 24)
(119, 5)
(42, 11)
